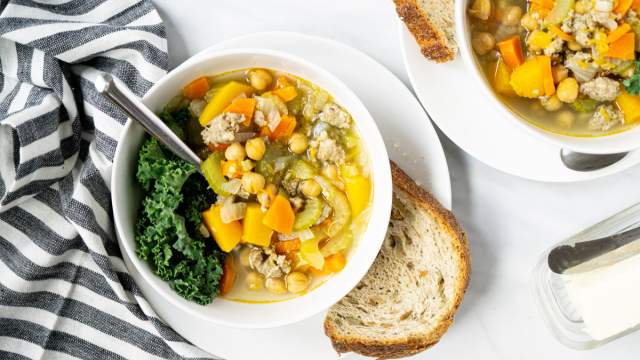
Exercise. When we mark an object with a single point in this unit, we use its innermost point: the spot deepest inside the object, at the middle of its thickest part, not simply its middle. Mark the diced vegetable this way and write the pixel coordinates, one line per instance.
(539, 39)
(585, 105)
(228, 275)
(533, 78)
(559, 12)
(255, 232)
(338, 202)
(501, 79)
(212, 171)
(301, 170)
(311, 254)
(287, 246)
(618, 32)
(280, 216)
(232, 168)
(222, 99)
(623, 7)
(623, 48)
(555, 29)
(337, 243)
(334, 263)
(630, 106)
(232, 211)
(244, 106)
(282, 82)
(286, 93)
(284, 130)
(197, 88)
(511, 51)
(227, 236)
(310, 215)
(635, 4)
(358, 189)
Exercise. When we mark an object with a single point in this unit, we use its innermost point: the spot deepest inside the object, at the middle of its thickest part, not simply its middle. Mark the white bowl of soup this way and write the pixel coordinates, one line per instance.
(565, 70)
(293, 203)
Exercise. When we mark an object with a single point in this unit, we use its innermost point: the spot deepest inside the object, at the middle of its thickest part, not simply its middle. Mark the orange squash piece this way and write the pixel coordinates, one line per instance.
(623, 7)
(286, 93)
(511, 51)
(227, 236)
(287, 246)
(254, 231)
(244, 106)
(623, 48)
(280, 216)
(197, 88)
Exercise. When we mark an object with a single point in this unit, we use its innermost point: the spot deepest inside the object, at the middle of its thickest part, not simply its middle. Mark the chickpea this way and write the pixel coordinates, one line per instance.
(551, 103)
(330, 171)
(255, 148)
(483, 42)
(297, 282)
(235, 151)
(512, 15)
(254, 280)
(529, 22)
(275, 285)
(298, 143)
(481, 9)
(559, 73)
(310, 188)
(252, 182)
(244, 256)
(260, 79)
(565, 119)
(574, 46)
(567, 90)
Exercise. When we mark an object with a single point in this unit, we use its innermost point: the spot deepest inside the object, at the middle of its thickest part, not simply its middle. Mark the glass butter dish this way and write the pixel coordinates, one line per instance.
(597, 301)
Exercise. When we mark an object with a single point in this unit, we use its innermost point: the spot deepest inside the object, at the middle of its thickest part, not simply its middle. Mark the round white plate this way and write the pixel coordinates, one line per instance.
(455, 103)
(411, 141)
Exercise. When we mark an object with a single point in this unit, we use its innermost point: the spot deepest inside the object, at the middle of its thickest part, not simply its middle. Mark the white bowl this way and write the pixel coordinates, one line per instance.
(126, 194)
(619, 142)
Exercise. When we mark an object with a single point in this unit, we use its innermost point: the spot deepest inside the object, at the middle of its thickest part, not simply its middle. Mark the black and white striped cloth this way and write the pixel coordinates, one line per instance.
(64, 290)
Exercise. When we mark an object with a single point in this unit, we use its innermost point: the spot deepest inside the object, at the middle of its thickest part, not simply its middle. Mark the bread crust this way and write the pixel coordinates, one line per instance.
(431, 40)
(402, 347)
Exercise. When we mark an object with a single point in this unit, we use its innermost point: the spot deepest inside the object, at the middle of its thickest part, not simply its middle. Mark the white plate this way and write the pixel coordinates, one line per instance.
(455, 103)
(411, 141)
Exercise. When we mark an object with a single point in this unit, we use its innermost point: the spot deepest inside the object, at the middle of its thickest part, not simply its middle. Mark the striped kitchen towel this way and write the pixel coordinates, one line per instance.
(64, 290)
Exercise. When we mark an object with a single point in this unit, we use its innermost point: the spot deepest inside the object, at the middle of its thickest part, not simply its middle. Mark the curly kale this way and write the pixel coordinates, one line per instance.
(167, 233)
(632, 84)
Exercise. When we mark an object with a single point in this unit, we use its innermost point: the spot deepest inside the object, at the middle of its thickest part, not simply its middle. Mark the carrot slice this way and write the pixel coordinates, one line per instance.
(287, 246)
(623, 48)
(280, 216)
(282, 82)
(618, 32)
(635, 4)
(559, 33)
(283, 130)
(511, 51)
(219, 147)
(244, 106)
(228, 275)
(547, 76)
(197, 88)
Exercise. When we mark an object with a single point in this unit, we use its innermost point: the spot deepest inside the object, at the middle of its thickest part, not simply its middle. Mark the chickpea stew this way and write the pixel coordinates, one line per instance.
(291, 178)
(567, 66)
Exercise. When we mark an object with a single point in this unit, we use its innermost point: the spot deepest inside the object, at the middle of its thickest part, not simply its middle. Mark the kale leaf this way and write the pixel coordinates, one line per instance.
(167, 233)
(632, 84)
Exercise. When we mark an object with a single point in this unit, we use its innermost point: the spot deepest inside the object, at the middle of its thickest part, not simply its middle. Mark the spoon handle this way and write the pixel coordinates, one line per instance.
(136, 110)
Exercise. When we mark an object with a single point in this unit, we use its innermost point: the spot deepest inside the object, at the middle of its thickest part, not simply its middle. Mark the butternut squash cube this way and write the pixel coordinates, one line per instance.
(254, 231)
(227, 236)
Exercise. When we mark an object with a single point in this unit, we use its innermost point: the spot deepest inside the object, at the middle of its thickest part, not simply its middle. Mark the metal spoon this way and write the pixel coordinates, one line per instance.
(130, 105)
(588, 162)
(564, 257)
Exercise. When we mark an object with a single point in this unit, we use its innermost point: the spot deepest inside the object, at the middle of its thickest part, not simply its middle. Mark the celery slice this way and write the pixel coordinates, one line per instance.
(310, 215)
(212, 171)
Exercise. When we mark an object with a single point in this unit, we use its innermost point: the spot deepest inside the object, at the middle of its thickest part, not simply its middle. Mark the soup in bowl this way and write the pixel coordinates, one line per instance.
(565, 67)
(291, 204)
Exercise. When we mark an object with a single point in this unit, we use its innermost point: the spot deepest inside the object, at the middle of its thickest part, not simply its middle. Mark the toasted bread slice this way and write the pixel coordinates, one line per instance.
(431, 23)
(407, 300)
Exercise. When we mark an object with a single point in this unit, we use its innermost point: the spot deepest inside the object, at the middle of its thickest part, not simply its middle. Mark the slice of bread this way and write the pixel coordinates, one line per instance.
(407, 300)
(431, 23)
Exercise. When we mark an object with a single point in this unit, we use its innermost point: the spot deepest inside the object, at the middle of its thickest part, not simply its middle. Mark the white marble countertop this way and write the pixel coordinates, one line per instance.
(510, 221)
